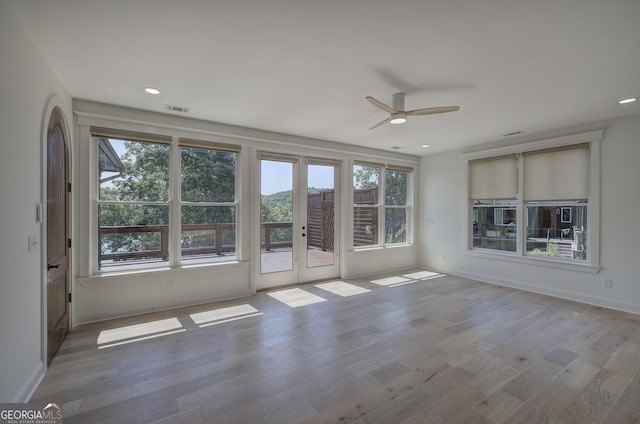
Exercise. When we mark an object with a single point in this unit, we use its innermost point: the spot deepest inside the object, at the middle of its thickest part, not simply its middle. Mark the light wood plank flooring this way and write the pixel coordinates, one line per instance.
(415, 348)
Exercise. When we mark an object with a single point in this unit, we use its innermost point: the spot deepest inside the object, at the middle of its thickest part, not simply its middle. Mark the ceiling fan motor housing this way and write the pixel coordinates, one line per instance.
(398, 101)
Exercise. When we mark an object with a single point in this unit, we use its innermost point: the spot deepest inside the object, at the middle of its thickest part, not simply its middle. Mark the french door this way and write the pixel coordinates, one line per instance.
(298, 220)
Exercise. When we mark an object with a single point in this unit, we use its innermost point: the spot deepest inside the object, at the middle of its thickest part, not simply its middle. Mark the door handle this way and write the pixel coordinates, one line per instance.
(49, 266)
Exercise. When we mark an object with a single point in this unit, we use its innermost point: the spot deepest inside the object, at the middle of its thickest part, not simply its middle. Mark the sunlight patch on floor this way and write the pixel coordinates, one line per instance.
(423, 275)
(342, 289)
(218, 316)
(296, 297)
(388, 281)
(138, 332)
(403, 283)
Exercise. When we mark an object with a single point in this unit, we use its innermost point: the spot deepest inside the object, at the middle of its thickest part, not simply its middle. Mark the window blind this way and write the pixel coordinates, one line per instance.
(494, 178)
(557, 174)
(129, 135)
(210, 145)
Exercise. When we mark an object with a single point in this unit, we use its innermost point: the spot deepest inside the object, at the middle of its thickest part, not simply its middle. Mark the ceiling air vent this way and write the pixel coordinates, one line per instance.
(512, 133)
(174, 108)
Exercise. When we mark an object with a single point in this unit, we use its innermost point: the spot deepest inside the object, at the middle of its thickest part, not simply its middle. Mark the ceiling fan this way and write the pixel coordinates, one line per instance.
(397, 113)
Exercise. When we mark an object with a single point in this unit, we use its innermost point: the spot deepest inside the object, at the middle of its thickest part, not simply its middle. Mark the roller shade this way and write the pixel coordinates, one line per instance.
(275, 157)
(210, 145)
(129, 135)
(399, 168)
(494, 178)
(383, 165)
(557, 174)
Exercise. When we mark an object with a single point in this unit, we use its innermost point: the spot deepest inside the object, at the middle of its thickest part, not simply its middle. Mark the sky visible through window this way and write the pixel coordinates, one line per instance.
(279, 177)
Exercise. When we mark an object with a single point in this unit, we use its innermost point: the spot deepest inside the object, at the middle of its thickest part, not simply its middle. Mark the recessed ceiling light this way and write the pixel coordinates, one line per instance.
(629, 100)
(152, 90)
(425, 145)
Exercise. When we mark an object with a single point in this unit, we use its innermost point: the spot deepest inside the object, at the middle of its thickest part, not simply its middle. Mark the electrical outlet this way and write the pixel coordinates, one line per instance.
(444, 256)
(170, 286)
(606, 282)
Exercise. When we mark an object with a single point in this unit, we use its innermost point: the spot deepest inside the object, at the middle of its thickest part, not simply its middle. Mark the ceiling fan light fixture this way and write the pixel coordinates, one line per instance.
(398, 118)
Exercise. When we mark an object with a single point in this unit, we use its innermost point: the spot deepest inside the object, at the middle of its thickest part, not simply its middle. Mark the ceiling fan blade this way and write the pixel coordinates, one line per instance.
(432, 110)
(379, 124)
(380, 105)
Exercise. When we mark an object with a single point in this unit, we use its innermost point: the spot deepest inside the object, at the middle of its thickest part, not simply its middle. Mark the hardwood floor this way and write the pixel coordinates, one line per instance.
(415, 348)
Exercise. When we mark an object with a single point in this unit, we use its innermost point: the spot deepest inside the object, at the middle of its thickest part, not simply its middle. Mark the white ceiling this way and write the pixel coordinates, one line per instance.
(304, 67)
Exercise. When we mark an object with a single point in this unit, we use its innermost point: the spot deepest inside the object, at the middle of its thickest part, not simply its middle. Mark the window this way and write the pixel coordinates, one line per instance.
(369, 206)
(556, 197)
(366, 182)
(396, 206)
(137, 223)
(133, 202)
(493, 192)
(535, 201)
(208, 203)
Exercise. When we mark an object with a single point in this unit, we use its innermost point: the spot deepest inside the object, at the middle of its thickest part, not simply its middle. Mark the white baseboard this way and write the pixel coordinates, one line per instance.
(30, 385)
(562, 294)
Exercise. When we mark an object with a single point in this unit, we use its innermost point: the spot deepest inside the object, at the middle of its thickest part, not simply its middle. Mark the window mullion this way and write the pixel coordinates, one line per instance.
(521, 229)
(175, 205)
(382, 194)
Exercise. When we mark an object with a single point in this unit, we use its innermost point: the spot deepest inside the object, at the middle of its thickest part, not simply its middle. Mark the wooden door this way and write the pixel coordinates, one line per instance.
(58, 188)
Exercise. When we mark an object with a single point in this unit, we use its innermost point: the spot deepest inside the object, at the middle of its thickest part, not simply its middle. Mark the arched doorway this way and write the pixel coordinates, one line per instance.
(58, 241)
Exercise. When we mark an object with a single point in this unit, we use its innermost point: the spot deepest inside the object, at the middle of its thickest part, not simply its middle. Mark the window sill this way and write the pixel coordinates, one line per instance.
(153, 274)
(529, 260)
(380, 248)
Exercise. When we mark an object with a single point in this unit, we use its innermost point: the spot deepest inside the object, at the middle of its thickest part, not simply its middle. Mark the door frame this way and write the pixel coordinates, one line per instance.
(41, 219)
(297, 274)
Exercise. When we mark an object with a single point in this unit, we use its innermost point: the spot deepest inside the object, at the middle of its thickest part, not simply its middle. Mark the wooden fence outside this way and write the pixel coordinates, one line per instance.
(320, 213)
(365, 217)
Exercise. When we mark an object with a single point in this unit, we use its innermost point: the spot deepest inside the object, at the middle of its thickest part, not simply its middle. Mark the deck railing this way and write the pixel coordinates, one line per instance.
(162, 252)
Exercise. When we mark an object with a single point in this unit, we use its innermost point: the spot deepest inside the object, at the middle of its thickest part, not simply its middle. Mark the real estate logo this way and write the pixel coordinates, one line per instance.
(30, 413)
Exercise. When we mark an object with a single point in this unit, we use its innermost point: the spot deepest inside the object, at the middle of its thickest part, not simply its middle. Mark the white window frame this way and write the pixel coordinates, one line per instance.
(592, 263)
(381, 205)
(178, 144)
(174, 203)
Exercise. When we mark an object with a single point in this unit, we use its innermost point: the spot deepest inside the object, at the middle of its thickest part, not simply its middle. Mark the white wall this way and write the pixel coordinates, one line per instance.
(442, 211)
(27, 85)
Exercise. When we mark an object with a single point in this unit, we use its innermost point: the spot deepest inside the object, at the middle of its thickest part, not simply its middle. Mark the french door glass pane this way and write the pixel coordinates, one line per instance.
(276, 216)
(320, 215)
